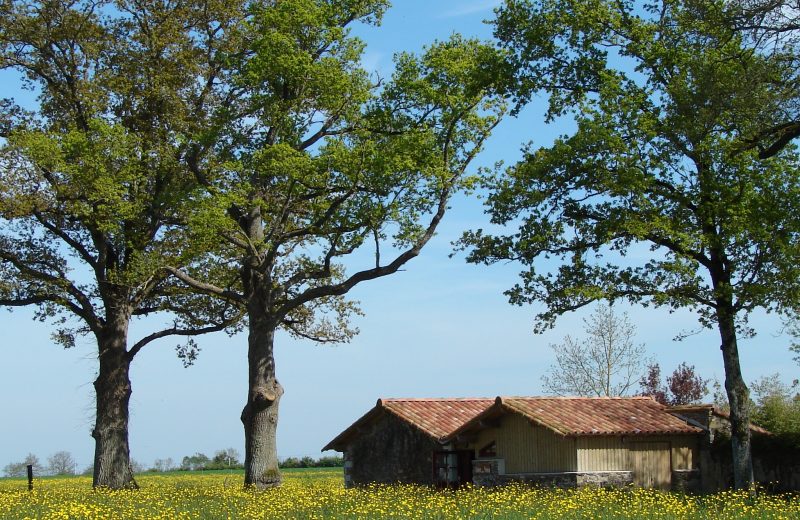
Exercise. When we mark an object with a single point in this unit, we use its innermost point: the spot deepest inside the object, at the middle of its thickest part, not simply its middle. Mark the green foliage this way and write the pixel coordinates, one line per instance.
(99, 177)
(308, 462)
(195, 462)
(228, 458)
(678, 189)
(192, 122)
(777, 408)
(323, 160)
(95, 179)
(223, 459)
(665, 99)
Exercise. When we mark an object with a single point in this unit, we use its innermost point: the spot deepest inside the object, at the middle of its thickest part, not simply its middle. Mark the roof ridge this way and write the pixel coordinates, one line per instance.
(529, 397)
(579, 398)
(702, 406)
(433, 399)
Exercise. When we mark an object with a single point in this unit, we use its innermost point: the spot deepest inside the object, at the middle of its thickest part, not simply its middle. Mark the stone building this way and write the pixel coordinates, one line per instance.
(573, 441)
(403, 440)
(547, 440)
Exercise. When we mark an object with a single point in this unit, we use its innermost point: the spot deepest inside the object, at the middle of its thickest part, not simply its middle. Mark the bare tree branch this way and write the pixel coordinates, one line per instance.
(207, 288)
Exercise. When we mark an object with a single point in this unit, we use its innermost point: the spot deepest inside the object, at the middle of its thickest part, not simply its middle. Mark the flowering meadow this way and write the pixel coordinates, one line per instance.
(308, 494)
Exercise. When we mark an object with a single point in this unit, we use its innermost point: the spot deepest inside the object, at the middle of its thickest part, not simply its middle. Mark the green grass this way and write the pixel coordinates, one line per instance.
(315, 493)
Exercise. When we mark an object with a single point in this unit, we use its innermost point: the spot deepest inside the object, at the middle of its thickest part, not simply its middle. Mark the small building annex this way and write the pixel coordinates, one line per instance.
(546, 440)
(399, 439)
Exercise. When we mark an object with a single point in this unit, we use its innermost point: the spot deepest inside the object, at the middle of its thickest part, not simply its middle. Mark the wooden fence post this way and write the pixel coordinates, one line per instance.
(30, 477)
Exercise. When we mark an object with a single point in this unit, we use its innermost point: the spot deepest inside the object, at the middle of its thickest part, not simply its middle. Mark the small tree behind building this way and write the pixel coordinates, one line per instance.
(605, 364)
(683, 387)
(652, 386)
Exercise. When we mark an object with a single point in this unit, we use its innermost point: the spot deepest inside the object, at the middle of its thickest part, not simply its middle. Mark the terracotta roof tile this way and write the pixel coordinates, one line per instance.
(443, 418)
(710, 408)
(438, 417)
(599, 416)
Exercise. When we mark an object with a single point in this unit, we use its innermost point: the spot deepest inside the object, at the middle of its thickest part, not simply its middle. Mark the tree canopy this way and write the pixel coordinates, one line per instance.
(237, 147)
(776, 407)
(675, 189)
(96, 179)
(321, 162)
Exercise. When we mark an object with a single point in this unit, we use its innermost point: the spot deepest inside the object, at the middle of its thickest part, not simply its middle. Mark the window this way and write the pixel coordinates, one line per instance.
(490, 450)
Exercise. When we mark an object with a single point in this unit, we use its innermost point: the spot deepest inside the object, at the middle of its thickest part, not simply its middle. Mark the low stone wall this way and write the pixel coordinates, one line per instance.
(486, 473)
(563, 480)
(605, 478)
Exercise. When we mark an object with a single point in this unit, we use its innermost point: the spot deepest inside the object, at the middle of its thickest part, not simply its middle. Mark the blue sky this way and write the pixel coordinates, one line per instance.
(439, 328)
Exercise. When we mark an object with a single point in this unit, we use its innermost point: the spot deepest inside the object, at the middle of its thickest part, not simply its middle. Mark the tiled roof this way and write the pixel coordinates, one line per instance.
(436, 417)
(445, 418)
(579, 416)
(711, 409)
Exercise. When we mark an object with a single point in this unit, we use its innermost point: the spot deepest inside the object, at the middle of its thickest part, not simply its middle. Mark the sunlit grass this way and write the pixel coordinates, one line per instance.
(319, 493)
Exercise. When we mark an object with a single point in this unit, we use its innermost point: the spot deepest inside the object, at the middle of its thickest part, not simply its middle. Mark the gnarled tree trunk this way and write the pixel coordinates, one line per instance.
(738, 398)
(260, 414)
(112, 460)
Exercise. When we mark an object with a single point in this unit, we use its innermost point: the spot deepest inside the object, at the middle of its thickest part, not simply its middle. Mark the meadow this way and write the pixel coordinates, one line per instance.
(318, 493)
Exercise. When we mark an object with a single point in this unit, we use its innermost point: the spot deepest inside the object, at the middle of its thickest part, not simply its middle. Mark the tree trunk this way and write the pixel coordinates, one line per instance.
(260, 414)
(112, 460)
(738, 398)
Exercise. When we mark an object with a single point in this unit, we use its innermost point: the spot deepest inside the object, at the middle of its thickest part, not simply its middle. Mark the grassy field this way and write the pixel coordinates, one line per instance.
(318, 493)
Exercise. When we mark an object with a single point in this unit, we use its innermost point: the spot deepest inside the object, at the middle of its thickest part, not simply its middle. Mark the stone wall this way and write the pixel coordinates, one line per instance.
(348, 468)
(487, 473)
(390, 451)
(605, 478)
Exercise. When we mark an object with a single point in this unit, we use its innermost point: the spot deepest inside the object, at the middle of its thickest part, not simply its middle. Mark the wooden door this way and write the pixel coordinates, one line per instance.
(452, 468)
(465, 458)
(650, 463)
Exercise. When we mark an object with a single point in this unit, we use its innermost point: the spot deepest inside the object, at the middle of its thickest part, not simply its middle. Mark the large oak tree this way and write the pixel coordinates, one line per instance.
(95, 179)
(678, 188)
(328, 163)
